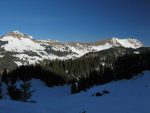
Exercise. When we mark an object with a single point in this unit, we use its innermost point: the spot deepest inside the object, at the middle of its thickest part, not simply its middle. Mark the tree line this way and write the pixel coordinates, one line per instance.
(83, 72)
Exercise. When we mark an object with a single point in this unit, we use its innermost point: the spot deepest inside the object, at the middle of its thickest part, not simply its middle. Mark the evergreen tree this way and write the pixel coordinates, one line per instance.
(20, 94)
(74, 88)
(1, 91)
(5, 76)
(25, 91)
(14, 92)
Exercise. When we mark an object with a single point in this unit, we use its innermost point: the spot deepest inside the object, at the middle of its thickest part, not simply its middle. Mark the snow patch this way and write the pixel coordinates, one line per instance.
(137, 52)
(18, 63)
(21, 45)
(102, 47)
(1, 56)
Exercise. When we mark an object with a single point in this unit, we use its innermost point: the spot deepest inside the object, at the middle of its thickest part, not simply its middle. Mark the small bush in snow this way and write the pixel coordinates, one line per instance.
(98, 94)
(106, 92)
(83, 112)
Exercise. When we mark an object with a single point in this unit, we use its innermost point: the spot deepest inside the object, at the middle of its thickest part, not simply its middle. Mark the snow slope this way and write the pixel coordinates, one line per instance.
(20, 45)
(126, 96)
(128, 43)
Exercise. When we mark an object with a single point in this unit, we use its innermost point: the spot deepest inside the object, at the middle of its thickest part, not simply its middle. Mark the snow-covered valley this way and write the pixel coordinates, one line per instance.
(126, 96)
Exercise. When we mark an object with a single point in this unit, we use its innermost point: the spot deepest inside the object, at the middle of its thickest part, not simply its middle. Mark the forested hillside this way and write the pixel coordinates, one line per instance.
(91, 69)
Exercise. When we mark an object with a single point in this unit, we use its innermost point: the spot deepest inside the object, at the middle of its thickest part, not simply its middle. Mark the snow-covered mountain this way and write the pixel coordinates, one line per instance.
(23, 49)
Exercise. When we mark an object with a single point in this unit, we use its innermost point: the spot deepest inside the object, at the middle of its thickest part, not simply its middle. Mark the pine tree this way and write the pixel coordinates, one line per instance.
(14, 92)
(4, 76)
(74, 88)
(20, 94)
(1, 92)
(25, 91)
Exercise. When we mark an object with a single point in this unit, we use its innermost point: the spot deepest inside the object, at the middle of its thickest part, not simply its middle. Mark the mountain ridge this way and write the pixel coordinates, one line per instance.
(25, 50)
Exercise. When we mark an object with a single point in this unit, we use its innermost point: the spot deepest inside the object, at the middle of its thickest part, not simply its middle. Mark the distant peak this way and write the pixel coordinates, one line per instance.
(50, 41)
(127, 38)
(113, 38)
(18, 34)
(127, 42)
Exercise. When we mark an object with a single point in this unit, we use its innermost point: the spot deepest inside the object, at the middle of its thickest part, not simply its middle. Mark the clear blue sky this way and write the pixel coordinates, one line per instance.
(77, 20)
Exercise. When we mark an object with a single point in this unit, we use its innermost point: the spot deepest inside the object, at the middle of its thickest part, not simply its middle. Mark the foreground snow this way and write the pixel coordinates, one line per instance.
(126, 96)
